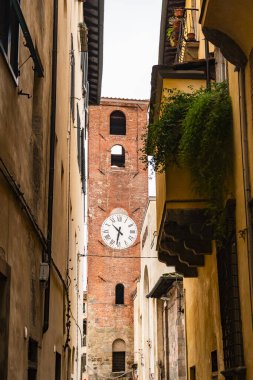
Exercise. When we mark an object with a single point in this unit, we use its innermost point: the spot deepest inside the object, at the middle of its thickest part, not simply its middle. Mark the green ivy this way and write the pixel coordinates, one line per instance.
(205, 146)
(163, 137)
(194, 131)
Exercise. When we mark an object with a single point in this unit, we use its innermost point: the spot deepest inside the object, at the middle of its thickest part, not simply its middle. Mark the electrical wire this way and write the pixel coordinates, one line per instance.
(109, 377)
(120, 257)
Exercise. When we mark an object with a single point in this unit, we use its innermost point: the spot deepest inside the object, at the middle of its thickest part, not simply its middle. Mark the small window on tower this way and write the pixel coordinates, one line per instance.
(118, 355)
(117, 123)
(118, 156)
(119, 294)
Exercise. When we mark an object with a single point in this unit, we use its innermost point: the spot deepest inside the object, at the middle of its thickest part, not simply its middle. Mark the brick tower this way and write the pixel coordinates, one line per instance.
(117, 197)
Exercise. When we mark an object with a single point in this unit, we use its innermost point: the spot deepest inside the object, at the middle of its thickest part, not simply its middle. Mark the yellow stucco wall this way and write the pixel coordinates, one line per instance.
(242, 250)
(203, 319)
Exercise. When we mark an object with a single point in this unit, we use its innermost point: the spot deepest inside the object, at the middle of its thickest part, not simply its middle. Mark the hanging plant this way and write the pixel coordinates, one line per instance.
(194, 131)
(205, 146)
(163, 137)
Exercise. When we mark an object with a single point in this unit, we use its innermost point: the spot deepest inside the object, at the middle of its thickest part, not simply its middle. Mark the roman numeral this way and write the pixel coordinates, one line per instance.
(118, 244)
(132, 231)
(107, 237)
(130, 225)
(130, 238)
(119, 218)
(106, 224)
(112, 220)
(107, 231)
(112, 242)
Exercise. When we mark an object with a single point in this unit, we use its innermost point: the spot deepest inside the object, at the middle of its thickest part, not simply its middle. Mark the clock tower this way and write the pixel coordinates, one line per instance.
(117, 198)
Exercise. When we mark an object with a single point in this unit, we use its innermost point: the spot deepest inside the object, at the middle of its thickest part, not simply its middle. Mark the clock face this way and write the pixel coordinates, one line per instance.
(119, 231)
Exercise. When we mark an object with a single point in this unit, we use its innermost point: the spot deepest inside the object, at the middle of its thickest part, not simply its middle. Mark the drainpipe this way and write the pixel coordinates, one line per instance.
(207, 56)
(51, 162)
(246, 176)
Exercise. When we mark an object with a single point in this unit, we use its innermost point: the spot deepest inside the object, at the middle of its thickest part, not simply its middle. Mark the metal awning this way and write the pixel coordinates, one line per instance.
(164, 284)
(29, 42)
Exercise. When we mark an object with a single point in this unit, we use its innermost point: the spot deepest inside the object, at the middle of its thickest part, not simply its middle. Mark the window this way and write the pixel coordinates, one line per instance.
(83, 363)
(57, 366)
(214, 362)
(117, 123)
(84, 332)
(118, 361)
(83, 173)
(118, 156)
(118, 355)
(84, 327)
(4, 316)
(193, 373)
(78, 131)
(32, 359)
(72, 80)
(119, 294)
(9, 34)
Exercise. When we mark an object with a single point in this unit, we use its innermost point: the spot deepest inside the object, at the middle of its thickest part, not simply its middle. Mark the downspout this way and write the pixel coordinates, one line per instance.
(207, 56)
(51, 162)
(246, 176)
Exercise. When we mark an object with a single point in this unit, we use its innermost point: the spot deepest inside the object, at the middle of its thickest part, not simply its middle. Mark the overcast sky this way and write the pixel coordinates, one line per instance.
(131, 38)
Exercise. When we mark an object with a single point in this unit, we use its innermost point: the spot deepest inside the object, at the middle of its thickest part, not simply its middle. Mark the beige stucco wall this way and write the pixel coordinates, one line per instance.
(24, 147)
(148, 331)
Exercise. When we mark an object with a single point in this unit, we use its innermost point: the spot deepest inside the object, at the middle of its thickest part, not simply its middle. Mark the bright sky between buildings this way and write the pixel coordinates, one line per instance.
(131, 40)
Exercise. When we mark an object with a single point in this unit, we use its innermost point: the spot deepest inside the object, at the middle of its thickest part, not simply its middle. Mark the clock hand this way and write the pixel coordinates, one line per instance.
(119, 232)
(118, 229)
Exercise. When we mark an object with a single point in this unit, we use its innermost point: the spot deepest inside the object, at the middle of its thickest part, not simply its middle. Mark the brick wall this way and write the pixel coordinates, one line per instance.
(110, 188)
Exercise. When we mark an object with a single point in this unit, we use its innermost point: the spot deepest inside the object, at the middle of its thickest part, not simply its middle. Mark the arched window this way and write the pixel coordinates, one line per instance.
(119, 294)
(118, 355)
(118, 156)
(117, 123)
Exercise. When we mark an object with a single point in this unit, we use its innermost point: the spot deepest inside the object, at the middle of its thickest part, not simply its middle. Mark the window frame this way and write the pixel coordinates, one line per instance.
(117, 125)
(118, 160)
(5, 284)
(117, 361)
(119, 294)
(9, 41)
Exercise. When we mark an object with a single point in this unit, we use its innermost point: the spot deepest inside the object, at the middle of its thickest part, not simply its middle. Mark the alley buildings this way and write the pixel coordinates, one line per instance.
(50, 70)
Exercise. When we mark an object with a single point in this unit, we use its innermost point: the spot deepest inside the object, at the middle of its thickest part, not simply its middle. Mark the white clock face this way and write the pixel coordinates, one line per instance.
(119, 231)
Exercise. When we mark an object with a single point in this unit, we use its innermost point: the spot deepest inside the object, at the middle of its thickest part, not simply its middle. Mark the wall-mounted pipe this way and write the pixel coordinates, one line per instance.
(51, 160)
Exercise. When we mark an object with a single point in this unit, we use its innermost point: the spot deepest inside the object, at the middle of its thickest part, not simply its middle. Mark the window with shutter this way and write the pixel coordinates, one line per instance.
(9, 34)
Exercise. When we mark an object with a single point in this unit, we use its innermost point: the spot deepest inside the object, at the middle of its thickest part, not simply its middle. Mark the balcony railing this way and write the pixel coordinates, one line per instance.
(184, 33)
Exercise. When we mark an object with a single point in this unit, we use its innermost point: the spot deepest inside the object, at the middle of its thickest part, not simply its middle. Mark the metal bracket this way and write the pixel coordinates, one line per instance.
(20, 92)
